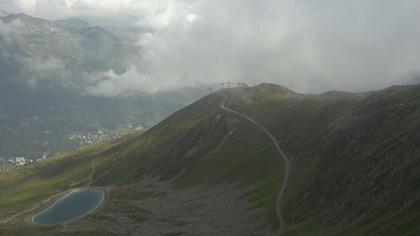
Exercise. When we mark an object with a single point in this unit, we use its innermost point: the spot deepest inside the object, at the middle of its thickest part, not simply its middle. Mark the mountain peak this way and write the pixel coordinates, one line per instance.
(268, 87)
(97, 33)
(72, 24)
(23, 17)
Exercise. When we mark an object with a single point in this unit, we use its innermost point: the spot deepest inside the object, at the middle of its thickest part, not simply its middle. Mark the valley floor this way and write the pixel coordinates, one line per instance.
(153, 207)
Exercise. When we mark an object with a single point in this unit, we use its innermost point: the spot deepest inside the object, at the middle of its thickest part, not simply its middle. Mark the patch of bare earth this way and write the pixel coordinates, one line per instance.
(162, 210)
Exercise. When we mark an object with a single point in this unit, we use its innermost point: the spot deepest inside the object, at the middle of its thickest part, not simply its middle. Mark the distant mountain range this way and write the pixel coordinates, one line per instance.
(56, 53)
(212, 168)
(45, 68)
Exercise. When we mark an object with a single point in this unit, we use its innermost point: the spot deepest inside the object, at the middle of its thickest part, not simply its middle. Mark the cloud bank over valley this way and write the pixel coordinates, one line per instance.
(308, 46)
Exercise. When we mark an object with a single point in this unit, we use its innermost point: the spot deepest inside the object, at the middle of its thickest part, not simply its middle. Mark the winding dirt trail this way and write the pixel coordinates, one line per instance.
(33, 208)
(12, 217)
(90, 177)
(281, 193)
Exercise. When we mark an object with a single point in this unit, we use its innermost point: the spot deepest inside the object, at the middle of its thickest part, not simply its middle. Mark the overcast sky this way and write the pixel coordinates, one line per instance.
(312, 45)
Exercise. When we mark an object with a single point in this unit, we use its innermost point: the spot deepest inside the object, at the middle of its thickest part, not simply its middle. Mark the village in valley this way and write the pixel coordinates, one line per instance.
(82, 139)
(102, 135)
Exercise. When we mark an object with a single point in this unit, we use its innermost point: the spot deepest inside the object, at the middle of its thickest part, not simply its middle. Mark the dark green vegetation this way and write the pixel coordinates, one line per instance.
(355, 165)
(45, 68)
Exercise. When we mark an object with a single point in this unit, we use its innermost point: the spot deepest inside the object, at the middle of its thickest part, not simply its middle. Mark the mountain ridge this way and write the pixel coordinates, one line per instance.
(354, 168)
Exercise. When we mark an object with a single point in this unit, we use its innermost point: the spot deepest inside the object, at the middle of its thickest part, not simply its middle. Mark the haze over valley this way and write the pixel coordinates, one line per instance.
(49, 72)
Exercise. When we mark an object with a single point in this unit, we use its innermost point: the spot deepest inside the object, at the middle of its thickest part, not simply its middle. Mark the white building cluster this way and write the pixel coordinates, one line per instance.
(100, 135)
(5, 164)
(18, 161)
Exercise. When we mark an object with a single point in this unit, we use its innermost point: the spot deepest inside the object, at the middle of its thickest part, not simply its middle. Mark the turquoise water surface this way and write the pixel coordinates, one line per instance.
(76, 204)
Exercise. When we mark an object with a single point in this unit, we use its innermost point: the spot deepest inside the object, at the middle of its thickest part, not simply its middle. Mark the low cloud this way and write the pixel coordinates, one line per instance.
(309, 46)
(6, 29)
(110, 84)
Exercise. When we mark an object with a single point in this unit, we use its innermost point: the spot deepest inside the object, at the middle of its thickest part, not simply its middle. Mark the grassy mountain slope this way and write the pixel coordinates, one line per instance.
(354, 156)
(356, 161)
